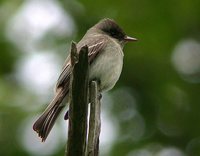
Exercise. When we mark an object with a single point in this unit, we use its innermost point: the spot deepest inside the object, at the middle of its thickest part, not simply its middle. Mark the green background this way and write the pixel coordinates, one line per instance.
(154, 108)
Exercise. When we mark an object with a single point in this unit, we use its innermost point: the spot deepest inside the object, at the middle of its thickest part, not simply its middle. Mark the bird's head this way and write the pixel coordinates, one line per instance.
(112, 29)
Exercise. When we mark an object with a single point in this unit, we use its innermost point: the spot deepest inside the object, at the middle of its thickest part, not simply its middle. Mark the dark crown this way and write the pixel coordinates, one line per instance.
(111, 28)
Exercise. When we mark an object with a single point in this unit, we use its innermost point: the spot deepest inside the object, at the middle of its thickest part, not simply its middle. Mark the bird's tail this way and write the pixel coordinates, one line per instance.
(45, 122)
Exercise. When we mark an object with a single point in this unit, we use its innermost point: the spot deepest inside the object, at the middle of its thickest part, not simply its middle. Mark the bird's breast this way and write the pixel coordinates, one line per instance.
(107, 66)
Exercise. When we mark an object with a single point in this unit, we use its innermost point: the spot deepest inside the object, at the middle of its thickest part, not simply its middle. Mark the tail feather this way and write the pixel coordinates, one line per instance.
(45, 122)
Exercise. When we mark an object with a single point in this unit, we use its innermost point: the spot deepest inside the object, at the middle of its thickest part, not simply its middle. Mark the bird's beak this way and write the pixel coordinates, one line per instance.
(129, 39)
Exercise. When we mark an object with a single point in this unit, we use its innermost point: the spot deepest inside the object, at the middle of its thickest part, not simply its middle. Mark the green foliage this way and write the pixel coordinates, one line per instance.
(165, 109)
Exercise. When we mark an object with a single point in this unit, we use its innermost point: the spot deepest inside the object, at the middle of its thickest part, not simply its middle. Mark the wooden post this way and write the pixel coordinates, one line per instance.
(78, 109)
(94, 121)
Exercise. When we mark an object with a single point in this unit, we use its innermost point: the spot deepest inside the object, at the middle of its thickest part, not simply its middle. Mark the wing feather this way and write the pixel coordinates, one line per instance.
(94, 47)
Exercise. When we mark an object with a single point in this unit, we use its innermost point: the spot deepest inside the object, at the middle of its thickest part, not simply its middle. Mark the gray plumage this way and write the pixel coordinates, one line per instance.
(105, 42)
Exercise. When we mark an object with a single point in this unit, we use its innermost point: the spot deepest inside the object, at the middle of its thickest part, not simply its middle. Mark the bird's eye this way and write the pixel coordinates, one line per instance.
(113, 33)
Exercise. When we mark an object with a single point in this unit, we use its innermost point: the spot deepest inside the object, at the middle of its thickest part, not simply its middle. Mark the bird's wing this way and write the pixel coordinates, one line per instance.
(94, 47)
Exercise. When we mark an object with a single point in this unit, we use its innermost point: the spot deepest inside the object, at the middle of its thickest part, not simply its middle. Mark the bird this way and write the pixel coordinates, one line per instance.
(105, 41)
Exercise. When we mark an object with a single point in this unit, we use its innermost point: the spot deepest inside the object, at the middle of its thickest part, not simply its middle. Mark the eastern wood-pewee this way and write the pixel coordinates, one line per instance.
(105, 42)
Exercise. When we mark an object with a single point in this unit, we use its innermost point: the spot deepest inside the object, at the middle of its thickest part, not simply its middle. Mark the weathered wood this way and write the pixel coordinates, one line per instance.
(78, 109)
(94, 121)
